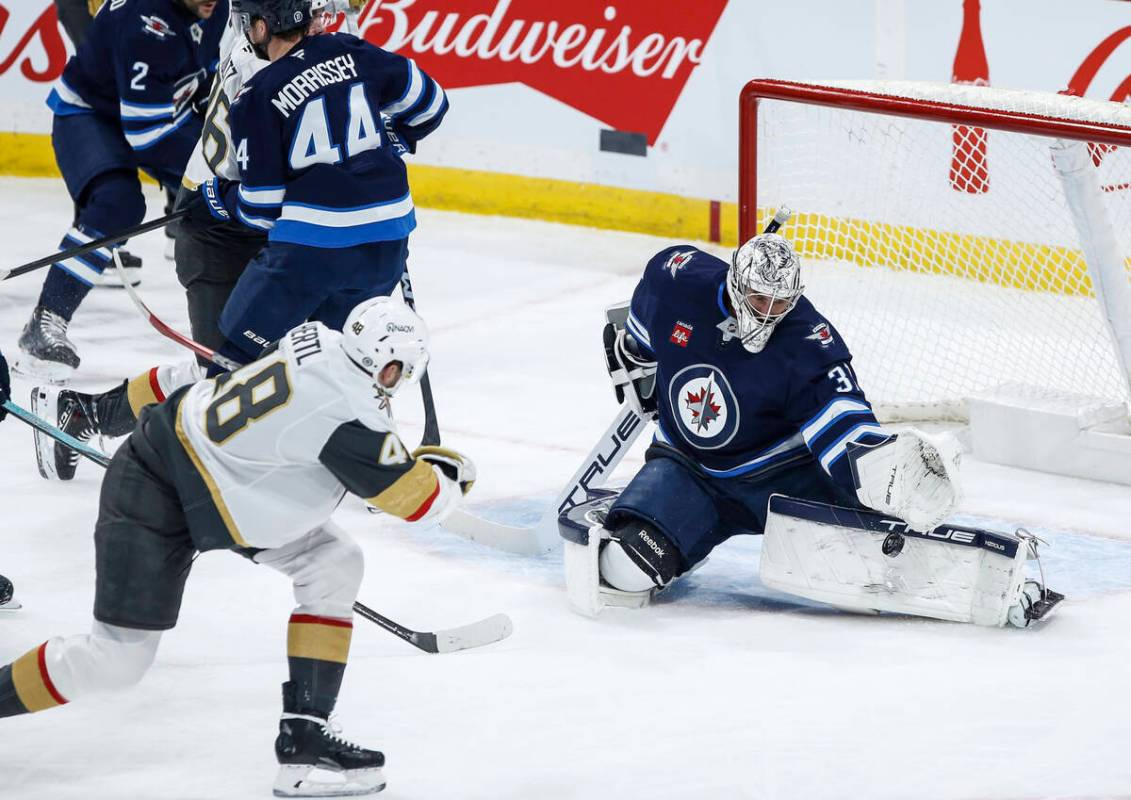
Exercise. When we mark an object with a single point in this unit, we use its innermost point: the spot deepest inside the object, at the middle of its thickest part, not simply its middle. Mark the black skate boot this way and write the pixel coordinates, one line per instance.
(130, 263)
(307, 742)
(73, 413)
(45, 350)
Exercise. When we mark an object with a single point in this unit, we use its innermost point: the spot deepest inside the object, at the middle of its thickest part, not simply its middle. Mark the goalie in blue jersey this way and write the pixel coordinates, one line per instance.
(318, 135)
(754, 395)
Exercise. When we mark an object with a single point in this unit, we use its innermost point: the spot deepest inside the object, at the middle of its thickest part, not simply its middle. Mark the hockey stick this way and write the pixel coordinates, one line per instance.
(101, 459)
(75, 252)
(166, 331)
(477, 634)
(543, 537)
(615, 441)
(431, 426)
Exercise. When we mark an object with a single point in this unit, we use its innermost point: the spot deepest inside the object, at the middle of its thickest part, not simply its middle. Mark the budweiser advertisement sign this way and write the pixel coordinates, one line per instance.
(623, 63)
(37, 50)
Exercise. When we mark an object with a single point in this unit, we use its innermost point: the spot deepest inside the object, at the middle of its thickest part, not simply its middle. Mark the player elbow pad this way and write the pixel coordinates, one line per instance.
(909, 476)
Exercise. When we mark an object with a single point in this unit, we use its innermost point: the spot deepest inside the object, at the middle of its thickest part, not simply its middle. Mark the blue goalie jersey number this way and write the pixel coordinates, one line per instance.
(705, 407)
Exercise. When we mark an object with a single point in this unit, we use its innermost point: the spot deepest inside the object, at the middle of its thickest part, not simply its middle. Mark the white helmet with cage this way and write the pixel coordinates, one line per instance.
(383, 330)
(764, 284)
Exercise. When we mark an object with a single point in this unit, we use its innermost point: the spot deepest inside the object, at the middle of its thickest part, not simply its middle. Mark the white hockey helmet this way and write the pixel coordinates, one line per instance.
(764, 284)
(382, 330)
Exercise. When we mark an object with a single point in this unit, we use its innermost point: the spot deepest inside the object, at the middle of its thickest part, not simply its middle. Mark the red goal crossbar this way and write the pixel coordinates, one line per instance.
(856, 100)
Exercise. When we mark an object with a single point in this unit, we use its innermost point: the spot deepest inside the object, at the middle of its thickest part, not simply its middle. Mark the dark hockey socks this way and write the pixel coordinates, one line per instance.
(25, 686)
(62, 292)
(317, 651)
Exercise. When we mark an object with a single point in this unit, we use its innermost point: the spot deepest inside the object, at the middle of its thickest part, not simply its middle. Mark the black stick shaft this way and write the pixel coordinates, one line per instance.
(431, 425)
(75, 252)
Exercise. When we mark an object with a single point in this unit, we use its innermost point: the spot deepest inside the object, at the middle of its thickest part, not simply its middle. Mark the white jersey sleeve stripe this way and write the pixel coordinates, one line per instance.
(412, 92)
(838, 408)
(433, 109)
(262, 196)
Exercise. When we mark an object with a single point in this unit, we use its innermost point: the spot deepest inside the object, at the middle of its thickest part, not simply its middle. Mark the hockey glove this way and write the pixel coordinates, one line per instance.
(206, 204)
(5, 386)
(454, 465)
(633, 372)
(909, 476)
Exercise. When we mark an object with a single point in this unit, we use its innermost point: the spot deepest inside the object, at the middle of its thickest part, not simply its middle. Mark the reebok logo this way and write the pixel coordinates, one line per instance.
(648, 540)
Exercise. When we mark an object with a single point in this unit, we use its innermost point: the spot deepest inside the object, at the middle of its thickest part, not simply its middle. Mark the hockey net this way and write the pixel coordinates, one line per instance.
(935, 233)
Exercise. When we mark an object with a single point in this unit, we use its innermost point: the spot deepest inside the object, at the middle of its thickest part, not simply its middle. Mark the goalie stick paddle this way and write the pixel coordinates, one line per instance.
(75, 252)
(486, 631)
(617, 439)
(101, 459)
(543, 537)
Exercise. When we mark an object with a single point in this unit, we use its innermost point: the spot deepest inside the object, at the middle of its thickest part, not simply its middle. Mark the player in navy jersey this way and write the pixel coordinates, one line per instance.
(318, 136)
(753, 393)
(128, 99)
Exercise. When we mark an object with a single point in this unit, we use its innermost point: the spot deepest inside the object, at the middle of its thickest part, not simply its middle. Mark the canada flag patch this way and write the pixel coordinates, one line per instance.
(822, 334)
(681, 334)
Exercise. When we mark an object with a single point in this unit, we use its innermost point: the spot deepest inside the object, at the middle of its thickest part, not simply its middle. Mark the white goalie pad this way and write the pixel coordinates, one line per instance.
(864, 561)
(582, 533)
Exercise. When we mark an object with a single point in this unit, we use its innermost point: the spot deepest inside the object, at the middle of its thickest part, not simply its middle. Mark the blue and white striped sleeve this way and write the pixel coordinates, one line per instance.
(413, 101)
(257, 201)
(842, 419)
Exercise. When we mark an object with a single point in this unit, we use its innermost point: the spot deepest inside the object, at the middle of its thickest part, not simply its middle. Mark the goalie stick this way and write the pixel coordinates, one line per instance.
(74, 252)
(600, 463)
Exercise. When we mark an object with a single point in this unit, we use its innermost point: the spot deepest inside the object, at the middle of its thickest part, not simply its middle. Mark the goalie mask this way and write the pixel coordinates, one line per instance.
(381, 331)
(763, 284)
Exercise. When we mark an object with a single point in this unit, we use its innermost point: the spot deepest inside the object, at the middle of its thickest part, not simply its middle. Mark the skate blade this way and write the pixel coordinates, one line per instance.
(39, 370)
(305, 780)
(44, 404)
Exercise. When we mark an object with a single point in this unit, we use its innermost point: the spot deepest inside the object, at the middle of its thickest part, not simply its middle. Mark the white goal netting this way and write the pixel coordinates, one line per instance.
(946, 254)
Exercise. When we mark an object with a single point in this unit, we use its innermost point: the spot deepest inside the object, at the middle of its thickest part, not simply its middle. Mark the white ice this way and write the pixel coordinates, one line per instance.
(722, 689)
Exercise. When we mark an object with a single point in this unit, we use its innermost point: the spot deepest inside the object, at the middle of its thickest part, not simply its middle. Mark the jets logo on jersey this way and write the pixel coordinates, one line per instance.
(822, 334)
(681, 334)
(156, 26)
(704, 406)
(678, 261)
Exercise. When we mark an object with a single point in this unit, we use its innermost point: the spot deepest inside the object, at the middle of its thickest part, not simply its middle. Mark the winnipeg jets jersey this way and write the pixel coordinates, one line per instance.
(215, 153)
(738, 413)
(262, 455)
(144, 62)
(313, 134)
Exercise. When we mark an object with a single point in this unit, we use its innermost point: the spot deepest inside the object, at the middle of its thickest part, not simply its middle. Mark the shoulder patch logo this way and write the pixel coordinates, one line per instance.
(155, 26)
(822, 334)
(678, 261)
(681, 334)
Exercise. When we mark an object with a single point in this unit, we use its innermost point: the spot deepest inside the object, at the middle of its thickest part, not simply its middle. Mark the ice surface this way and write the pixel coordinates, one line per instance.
(721, 690)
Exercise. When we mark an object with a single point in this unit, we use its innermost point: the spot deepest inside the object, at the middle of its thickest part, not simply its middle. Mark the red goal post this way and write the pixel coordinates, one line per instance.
(963, 286)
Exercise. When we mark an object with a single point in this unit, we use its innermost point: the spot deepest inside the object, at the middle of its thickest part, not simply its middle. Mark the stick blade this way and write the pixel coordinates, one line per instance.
(477, 634)
(521, 541)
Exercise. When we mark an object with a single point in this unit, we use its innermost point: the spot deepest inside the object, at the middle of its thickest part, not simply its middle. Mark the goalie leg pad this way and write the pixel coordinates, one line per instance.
(864, 561)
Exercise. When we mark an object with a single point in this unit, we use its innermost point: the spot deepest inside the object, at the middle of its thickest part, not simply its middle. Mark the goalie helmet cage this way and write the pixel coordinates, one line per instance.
(941, 240)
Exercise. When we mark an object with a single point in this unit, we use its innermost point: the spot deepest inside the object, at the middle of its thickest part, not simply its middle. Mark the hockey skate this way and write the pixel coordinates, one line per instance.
(8, 602)
(45, 351)
(314, 761)
(70, 411)
(130, 263)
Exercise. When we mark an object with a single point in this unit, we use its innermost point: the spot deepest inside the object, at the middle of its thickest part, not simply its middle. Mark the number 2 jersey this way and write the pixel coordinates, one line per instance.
(737, 413)
(262, 455)
(318, 136)
(145, 64)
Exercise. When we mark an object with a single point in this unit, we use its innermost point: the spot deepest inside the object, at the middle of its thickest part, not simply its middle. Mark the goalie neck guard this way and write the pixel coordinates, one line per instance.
(765, 271)
(382, 330)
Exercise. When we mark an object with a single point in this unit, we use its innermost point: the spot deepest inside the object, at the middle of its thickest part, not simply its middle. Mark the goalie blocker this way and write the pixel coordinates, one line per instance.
(854, 559)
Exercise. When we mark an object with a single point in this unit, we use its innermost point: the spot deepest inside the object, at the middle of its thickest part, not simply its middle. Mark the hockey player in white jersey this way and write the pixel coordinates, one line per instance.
(256, 461)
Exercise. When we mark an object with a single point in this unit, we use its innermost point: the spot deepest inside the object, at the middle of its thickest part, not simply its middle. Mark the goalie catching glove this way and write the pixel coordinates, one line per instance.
(455, 466)
(909, 476)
